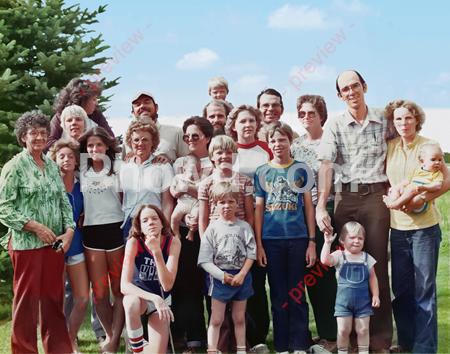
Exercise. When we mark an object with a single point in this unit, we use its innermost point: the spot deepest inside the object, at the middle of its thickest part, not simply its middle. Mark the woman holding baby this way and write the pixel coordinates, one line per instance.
(415, 234)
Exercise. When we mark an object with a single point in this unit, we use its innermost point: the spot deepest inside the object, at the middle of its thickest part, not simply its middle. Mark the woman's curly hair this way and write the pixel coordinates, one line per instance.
(31, 119)
(77, 91)
(145, 125)
(65, 143)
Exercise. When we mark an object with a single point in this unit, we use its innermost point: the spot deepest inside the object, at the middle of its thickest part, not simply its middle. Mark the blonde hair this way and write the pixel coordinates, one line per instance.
(217, 81)
(221, 142)
(223, 189)
(429, 146)
(352, 227)
(73, 111)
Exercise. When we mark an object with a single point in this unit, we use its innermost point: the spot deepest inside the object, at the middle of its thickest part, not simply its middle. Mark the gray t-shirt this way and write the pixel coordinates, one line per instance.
(227, 245)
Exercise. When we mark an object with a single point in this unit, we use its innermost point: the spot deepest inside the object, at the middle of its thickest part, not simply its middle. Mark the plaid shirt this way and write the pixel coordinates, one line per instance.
(359, 150)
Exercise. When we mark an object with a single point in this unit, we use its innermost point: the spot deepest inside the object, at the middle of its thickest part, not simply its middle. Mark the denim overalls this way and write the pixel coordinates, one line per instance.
(353, 298)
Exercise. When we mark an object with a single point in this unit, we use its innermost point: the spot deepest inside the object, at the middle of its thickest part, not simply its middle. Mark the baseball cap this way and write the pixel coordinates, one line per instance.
(143, 93)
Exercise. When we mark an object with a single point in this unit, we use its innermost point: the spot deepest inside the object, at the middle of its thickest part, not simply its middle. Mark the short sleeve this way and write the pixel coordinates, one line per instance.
(328, 146)
(167, 176)
(178, 165)
(370, 261)
(203, 190)
(248, 187)
(259, 183)
(439, 177)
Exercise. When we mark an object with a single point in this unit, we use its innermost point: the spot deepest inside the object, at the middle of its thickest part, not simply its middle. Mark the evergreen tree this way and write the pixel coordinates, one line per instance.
(43, 45)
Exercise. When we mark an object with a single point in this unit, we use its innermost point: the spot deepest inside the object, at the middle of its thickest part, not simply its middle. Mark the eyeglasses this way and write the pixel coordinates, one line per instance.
(193, 137)
(141, 140)
(353, 87)
(309, 114)
(34, 133)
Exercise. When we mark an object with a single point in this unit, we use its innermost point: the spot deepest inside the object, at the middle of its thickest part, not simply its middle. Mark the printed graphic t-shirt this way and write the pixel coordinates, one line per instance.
(282, 188)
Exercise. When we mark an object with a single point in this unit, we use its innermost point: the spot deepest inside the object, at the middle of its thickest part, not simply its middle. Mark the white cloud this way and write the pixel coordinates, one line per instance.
(298, 17)
(250, 83)
(200, 59)
(312, 73)
(353, 6)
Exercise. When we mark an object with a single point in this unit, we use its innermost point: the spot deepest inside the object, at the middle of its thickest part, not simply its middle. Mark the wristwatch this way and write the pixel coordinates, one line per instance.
(313, 239)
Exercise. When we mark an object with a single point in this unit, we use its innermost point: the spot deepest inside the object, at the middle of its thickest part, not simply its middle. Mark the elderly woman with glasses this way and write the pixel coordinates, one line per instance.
(144, 181)
(35, 208)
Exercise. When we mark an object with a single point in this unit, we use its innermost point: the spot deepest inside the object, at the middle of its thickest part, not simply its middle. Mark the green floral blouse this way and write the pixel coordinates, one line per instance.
(29, 193)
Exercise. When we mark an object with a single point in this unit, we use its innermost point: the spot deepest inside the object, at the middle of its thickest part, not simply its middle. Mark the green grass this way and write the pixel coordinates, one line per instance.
(443, 276)
(88, 343)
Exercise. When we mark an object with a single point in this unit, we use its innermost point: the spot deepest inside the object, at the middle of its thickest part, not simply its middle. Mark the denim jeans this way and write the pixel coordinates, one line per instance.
(414, 265)
(286, 270)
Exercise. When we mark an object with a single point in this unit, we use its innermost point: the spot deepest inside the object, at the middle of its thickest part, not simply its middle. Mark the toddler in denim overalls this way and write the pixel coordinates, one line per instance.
(355, 275)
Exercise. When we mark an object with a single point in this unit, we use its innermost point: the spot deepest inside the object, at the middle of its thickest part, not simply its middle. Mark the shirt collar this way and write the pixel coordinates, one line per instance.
(412, 144)
(372, 116)
(247, 146)
(273, 164)
(43, 156)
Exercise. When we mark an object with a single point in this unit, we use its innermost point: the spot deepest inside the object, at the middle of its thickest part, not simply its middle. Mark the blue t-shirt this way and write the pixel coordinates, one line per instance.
(76, 201)
(282, 188)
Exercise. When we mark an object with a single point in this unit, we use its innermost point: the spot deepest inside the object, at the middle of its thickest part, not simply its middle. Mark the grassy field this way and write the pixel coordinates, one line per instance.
(88, 343)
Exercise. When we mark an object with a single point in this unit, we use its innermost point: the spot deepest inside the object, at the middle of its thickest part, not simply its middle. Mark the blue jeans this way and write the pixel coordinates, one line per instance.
(286, 270)
(414, 265)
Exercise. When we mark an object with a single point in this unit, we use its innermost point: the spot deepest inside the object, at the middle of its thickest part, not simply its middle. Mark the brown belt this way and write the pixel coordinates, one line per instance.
(363, 188)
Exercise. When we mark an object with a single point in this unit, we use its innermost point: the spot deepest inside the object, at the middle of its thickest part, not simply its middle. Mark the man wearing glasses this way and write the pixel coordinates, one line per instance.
(171, 145)
(353, 148)
(270, 103)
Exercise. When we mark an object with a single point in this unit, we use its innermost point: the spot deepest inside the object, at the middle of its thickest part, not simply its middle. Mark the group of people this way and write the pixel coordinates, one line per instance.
(179, 218)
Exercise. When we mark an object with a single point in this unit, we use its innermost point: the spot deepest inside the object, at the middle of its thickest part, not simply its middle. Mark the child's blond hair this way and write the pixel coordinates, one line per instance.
(352, 227)
(429, 146)
(217, 81)
(221, 142)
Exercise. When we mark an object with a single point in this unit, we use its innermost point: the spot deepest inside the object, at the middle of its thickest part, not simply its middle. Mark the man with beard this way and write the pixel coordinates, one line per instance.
(171, 145)
(216, 111)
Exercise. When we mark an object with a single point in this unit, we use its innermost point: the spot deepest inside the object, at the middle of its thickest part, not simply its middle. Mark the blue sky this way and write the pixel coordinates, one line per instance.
(172, 49)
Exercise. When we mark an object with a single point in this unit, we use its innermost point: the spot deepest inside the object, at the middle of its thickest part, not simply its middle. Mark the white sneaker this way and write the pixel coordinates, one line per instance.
(299, 352)
(259, 349)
